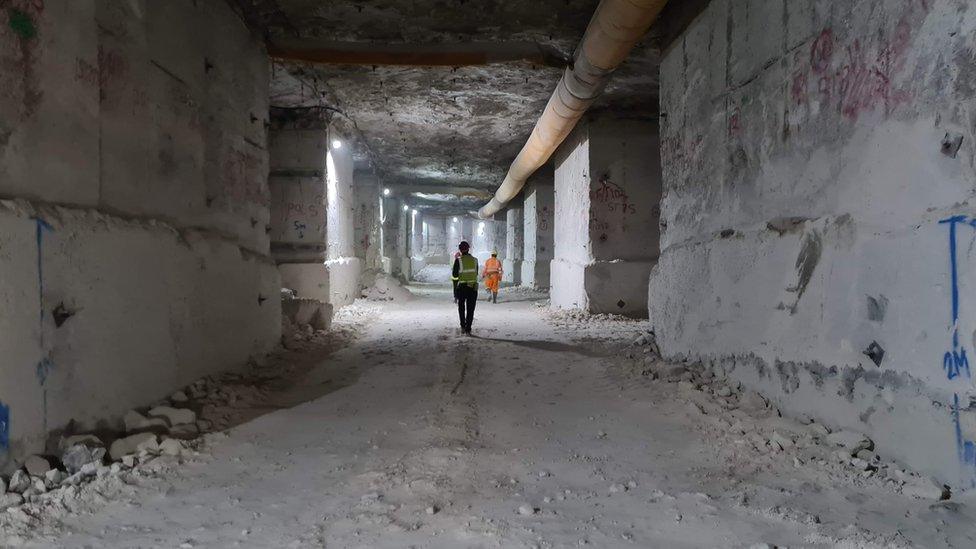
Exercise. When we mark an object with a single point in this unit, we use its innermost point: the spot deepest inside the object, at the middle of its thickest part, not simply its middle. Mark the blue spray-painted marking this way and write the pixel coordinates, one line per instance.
(966, 449)
(4, 426)
(955, 362)
(44, 367)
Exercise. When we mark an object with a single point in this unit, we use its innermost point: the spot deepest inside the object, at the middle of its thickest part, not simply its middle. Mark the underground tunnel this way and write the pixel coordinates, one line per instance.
(487, 273)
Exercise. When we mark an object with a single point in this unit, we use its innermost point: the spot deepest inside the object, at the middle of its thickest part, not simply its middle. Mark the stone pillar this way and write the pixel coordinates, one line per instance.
(607, 195)
(389, 233)
(298, 211)
(538, 217)
(435, 240)
(513, 243)
(403, 241)
(345, 269)
(366, 221)
(415, 249)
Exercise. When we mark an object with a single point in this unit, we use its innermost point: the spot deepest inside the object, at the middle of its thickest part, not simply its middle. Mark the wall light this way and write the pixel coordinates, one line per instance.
(336, 144)
(415, 212)
(386, 192)
(406, 208)
(454, 220)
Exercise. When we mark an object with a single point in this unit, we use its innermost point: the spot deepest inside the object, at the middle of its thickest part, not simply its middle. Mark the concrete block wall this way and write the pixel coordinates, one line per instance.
(488, 236)
(514, 243)
(818, 206)
(134, 166)
(366, 222)
(297, 143)
(345, 268)
(538, 233)
(607, 172)
(458, 229)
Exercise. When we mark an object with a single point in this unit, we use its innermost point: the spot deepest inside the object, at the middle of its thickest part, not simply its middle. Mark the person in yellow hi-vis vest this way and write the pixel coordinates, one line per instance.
(464, 274)
(493, 276)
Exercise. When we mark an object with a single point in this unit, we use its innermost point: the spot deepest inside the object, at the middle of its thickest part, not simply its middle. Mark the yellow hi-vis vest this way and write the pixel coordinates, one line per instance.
(468, 273)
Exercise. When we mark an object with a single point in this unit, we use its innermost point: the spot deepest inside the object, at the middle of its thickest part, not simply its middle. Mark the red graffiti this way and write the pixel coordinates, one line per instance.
(607, 192)
(735, 122)
(861, 79)
(822, 51)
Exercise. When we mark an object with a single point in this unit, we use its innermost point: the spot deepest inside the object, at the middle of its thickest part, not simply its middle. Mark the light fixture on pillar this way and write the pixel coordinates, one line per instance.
(386, 192)
(455, 220)
(406, 208)
(415, 212)
(336, 144)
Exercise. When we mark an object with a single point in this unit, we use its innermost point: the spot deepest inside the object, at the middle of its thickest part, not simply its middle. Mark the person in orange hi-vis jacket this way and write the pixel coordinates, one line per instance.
(492, 274)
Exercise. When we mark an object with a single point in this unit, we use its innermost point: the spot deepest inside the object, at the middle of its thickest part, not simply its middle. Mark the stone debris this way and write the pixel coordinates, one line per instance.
(134, 444)
(79, 455)
(134, 422)
(174, 416)
(926, 488)
(386, 288)
(852, 441)
(19, 481)
(752, 419)
(37, 466)
(527, 510)
(87, 440)
(171, 447)
(10, 499)
(179, 397)
(53, 478)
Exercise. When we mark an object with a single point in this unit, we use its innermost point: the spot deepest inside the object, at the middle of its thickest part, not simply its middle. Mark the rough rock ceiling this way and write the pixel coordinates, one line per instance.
(452, 127)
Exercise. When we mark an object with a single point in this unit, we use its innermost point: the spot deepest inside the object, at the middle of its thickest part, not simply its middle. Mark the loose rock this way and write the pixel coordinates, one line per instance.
(19, 481)
(37, 466)
(133, 445)
(171, 447)
(852, 441)
(175, 416)
(78, 455)
(135, 422)
(926, 488)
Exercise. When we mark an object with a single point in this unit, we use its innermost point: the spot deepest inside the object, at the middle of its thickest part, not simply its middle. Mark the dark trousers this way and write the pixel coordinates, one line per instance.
(467, 299)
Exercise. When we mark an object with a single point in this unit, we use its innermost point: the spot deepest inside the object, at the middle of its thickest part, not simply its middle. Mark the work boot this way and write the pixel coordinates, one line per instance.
(494, 297)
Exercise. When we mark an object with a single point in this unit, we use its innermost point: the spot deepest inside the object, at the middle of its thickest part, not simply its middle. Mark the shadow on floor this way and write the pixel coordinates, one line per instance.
(551, 346)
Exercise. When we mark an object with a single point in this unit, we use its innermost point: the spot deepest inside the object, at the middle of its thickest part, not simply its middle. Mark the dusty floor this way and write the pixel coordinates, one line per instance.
(438, 440)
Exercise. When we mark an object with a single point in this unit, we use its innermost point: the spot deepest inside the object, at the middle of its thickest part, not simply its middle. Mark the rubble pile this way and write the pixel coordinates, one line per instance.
(386, 288)
(728, 409)
(54, 480)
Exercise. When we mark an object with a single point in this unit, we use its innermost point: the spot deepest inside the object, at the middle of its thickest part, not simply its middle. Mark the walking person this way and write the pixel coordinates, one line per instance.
(493, 276)
(464, 274)
(454, 280)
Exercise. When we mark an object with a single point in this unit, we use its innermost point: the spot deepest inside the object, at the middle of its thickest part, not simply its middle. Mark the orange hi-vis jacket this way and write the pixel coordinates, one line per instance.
(492, 273)
(492, 267)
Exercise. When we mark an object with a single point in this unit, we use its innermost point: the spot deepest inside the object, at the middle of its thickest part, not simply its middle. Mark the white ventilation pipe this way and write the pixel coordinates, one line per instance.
(613, 31)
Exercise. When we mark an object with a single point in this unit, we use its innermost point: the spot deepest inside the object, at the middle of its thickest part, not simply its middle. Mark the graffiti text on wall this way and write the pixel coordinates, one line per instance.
(955, 363)
(857, 76)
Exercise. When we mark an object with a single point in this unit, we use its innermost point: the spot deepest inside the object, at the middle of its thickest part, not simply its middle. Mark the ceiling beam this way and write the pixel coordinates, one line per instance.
(416, 55)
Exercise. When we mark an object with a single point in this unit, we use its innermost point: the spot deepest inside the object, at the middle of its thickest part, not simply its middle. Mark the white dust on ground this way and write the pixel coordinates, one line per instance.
(386, 288)
(521, 436)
